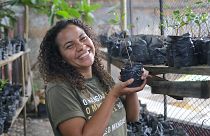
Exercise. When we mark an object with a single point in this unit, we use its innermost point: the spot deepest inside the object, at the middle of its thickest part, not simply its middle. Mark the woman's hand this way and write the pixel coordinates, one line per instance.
(121, 88)
(145, 74)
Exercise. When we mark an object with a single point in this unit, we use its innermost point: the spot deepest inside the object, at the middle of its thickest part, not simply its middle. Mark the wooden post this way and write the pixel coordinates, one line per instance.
(24, 91)
(123, 15)
(26, 23)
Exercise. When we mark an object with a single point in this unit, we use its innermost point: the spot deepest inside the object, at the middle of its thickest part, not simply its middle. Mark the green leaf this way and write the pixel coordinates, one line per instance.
(94, 7)
(63, 13)
(176, 12)
(88, 18)
(63, 5)
(198, 2)
(130, 26)
(166, 6)
(113, 21)
(33, 1)
(74, 13)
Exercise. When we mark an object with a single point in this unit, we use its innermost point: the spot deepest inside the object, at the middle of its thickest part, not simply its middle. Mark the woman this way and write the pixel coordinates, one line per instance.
(81, 97)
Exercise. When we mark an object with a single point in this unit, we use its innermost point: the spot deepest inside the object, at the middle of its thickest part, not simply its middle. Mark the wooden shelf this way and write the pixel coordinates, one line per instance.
(195, 89)
(24, 74)
(24, 100)
(13, 57)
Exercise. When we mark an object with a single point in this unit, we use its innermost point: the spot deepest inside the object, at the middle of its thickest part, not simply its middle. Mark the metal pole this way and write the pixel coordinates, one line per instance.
(123, 15)
(109, 60)
(162, 33)
(24, 119)
(26, 23)
(165, 103)
(161, 17)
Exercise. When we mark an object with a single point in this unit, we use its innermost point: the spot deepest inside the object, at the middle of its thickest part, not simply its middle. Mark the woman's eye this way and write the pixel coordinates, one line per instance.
(83, 38)
(69, 46)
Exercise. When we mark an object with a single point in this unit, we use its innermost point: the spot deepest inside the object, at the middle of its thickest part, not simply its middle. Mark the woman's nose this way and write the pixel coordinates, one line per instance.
(80, 46)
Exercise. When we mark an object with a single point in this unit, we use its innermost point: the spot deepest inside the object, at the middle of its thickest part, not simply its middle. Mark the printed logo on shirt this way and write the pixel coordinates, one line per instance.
(114, 126)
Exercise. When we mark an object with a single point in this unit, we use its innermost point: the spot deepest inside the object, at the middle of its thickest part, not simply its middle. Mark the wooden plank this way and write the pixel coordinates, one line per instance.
(195, 89)
(195, 70)
(11, 58)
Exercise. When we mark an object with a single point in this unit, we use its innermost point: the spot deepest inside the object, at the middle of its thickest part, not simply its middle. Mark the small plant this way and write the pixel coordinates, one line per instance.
(187, 17)
(86, 10)
(3, 84)
(199, 20)
(131, 70)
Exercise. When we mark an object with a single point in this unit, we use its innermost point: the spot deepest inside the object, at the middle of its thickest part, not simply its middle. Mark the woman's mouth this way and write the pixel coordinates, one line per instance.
(85, 54)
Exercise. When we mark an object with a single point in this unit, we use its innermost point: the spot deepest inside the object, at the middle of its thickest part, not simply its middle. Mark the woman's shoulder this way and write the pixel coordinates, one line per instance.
(62, 86)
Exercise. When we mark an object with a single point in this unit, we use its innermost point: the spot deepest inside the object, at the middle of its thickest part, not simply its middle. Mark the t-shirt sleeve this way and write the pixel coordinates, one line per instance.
(62, 105)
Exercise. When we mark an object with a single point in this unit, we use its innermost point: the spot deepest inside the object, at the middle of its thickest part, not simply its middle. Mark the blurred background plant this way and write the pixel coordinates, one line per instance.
(187, 17)
(61, 9)
(54, 9)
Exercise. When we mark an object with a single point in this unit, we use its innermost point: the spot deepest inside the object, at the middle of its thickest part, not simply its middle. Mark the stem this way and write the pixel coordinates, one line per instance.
(199, 33)
(129, 58)
(207, 28)
(191, 31)
(177, 31)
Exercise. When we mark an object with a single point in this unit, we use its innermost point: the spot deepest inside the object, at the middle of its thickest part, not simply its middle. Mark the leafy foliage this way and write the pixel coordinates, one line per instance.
(54, 9)
(187, 17)
(2, 84)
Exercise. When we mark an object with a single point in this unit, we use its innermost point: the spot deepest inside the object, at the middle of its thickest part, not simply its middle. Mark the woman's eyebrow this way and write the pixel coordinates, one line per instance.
(72, 41)
(81, 35)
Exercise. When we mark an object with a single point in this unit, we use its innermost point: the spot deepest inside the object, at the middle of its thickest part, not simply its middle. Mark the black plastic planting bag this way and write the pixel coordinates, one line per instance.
(119, 45)
(159, 56)
(139, 50)
(208, 52)
(202, 47)
(153, 44)
(180, 51)
(134, 71)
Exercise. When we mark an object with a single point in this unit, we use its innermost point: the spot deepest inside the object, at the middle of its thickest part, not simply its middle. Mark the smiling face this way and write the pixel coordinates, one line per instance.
(76, 47)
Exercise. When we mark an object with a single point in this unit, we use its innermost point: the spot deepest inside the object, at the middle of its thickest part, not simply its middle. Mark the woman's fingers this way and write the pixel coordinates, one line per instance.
(126, 83)
(129, 90)
(119, 77)
(144, 74)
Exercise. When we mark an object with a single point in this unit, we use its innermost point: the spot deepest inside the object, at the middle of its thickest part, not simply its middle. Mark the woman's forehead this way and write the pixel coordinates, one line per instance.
(72, 31)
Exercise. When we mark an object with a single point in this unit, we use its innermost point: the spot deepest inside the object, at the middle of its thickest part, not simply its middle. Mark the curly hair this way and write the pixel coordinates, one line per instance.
(52, 66)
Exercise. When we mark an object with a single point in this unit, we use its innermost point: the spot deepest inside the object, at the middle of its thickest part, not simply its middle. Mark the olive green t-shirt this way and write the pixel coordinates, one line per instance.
(64, 102)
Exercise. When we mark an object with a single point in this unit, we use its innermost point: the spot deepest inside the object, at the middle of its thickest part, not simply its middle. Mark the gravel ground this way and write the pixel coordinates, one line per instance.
(35, 127)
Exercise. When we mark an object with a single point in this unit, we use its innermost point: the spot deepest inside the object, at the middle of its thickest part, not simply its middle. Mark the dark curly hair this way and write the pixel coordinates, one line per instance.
(52, 66)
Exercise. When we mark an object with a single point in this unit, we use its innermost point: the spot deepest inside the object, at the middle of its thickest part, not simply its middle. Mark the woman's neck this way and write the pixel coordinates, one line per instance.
(87, 73)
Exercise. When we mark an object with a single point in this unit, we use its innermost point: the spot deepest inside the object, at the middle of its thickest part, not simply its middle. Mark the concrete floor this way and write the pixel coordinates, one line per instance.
(35, 127)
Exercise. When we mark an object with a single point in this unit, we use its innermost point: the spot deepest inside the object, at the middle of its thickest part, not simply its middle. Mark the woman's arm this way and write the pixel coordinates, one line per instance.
(132, 106)
(132, 103)
(93, 127)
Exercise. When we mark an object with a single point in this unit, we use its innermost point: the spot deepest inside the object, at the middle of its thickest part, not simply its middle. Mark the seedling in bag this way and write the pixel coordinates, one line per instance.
(132, 70)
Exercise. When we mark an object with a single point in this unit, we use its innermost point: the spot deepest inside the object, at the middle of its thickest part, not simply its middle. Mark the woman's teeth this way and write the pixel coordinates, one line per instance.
(84, 55)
